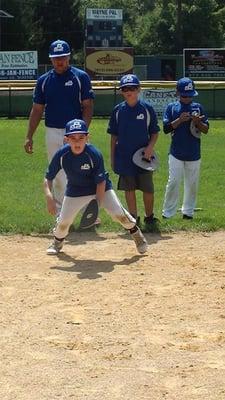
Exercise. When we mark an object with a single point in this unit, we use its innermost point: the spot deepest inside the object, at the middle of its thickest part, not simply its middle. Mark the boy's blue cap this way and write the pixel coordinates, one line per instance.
(186, 87)
(59, 48)
(129, 80)
(76, 126)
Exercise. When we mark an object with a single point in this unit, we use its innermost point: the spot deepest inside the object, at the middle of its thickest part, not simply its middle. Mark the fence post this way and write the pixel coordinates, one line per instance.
(114, 97)
(214, 102)
(10, 103)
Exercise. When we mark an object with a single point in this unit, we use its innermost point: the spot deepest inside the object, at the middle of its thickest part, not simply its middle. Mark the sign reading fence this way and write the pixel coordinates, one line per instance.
(18, 65)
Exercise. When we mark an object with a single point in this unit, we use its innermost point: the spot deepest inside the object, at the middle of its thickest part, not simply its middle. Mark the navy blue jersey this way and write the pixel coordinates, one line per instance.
(62, 95)
(133, 127)
(184, 146)
(84, 171)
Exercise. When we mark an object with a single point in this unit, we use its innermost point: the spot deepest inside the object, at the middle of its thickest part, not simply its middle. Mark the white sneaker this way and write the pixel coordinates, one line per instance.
(55, 247)
(140, 241)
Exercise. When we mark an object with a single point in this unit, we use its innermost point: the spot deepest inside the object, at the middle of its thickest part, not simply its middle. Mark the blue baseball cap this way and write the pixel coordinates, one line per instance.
(76, 126)
(129, 80)
(186, 87)
(59, 48)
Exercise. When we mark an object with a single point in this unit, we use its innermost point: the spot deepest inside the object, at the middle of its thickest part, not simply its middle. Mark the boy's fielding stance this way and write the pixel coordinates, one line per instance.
(86, 180)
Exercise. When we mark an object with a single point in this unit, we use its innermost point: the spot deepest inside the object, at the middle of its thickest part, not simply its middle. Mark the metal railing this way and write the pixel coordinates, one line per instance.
(16, 96)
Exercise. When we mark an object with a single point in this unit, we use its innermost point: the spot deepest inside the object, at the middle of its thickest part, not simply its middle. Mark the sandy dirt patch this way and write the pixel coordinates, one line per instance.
(100, 322)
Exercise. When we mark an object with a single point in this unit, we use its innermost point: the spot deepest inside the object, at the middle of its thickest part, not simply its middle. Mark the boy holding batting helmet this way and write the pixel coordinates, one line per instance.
(185, 119)
(133, 125)
(86, 180)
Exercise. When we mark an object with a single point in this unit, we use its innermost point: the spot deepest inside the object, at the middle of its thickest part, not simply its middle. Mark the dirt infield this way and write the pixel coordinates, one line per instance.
(101, 322)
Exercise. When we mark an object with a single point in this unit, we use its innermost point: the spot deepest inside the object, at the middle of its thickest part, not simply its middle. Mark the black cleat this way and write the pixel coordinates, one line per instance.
(187, 216)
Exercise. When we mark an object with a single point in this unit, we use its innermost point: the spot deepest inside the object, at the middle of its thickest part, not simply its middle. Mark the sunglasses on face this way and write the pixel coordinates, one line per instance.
(129, 88)
(186, 97)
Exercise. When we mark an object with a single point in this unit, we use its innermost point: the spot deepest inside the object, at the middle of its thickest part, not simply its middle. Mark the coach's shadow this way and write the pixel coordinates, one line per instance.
(91, 269)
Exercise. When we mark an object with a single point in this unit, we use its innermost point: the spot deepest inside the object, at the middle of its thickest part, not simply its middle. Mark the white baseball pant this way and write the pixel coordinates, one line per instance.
(72, 205)
(189, 170)
(54, 140)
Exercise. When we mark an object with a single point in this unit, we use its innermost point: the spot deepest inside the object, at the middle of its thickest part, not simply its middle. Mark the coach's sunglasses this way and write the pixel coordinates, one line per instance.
(186, 97)
(129, 88)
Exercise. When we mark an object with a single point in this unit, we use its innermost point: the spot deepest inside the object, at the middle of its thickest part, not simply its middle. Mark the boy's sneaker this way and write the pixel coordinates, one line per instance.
(55, 247)
(140, 241)
(150, 220)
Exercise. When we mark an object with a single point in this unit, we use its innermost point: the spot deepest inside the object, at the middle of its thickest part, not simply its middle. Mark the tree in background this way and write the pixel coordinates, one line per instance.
(174, 25)
(52, 20)
(150, 26)
(12, 31)
(200, 24)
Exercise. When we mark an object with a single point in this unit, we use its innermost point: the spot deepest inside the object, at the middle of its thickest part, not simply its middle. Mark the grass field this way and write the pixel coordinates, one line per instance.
(22, 204)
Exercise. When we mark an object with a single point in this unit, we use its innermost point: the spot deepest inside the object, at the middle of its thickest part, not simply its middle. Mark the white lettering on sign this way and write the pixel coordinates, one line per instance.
(104, 13)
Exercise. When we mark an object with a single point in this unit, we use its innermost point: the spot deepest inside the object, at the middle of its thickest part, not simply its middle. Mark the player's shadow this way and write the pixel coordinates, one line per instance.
(77, 237)
(150, 237)
(92, 269)
(81, 237)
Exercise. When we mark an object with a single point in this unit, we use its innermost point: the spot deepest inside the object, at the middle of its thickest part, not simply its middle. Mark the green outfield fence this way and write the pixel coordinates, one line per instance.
(16, 96)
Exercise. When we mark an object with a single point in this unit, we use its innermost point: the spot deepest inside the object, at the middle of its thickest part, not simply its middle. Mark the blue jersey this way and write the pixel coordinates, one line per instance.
(62, 95)
(84, 171)
(184, 146)
(133, 127)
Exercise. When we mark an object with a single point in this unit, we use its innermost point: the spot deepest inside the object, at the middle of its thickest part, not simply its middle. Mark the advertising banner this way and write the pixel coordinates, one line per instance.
(109, 61)
(204, 63)
(18, 65)
(159, 98)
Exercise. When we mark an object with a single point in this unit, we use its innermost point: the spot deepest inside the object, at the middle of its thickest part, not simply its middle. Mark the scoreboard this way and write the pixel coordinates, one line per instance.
(104, 27)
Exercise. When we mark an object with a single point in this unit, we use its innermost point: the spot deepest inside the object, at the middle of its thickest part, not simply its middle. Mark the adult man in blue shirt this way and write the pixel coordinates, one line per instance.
(63, 93)
(180, 118)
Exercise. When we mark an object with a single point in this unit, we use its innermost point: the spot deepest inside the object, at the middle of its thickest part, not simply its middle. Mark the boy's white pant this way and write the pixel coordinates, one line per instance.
(189, 170)
(54, 140)
(72, 205)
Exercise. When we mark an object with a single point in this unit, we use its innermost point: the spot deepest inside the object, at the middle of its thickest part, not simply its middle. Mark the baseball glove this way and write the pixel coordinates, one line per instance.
(194, 130)
(90, 215)
(144, 163)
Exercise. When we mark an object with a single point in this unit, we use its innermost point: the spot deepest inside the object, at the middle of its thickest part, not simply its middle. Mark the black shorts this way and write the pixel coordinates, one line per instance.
(143, 182)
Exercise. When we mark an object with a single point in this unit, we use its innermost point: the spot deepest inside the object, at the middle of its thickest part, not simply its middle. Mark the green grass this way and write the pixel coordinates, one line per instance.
(22, 203)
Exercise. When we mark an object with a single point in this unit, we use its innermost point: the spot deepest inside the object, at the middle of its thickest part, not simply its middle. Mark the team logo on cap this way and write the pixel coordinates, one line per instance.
(75, 125)
(128, 79)
(58, 47)
(189, 86)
